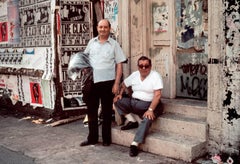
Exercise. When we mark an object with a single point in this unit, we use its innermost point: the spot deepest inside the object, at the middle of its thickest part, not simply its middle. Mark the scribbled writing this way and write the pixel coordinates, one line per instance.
(194, 69)
(193, 80)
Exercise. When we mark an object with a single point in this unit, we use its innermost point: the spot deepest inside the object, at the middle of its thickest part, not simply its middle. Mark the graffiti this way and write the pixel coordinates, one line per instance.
(195, 86)
(192, 76)
(194, 69)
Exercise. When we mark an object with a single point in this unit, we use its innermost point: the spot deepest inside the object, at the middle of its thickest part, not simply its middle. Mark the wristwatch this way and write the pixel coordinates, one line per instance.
(150, 109)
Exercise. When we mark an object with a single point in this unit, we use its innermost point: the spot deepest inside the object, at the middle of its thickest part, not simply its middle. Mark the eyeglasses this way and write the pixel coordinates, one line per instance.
(145, 66)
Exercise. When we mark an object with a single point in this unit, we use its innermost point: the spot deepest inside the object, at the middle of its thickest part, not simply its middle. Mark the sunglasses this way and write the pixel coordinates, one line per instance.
(145, 66)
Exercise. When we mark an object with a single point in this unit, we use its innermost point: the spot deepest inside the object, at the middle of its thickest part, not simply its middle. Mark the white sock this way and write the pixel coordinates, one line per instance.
(129, 117)
(134, 143)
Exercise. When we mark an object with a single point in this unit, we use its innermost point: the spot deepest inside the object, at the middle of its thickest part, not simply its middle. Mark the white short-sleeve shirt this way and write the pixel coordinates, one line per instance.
(144, 90)
(103, 58)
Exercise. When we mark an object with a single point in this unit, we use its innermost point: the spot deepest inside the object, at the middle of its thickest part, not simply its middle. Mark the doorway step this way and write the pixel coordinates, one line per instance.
(179, 133)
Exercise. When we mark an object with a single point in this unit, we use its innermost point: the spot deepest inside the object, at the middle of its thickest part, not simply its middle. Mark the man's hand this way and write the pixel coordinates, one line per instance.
(116, 98)
(115, 88)
(149, 114)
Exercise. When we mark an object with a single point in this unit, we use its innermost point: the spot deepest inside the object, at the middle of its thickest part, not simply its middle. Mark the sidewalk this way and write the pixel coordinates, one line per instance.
(60, 144)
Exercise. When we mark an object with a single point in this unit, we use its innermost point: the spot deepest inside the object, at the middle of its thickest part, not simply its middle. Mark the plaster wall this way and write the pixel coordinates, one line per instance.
(224, 80)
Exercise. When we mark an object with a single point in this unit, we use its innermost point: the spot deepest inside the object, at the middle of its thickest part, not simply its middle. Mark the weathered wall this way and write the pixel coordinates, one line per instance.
(137, 29)
(231, 77)
(224, 80)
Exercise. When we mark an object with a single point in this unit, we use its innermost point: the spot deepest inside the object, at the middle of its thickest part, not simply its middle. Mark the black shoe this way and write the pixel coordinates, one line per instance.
(86, 143)
(106, 144)
(133, 151)
(130, 125)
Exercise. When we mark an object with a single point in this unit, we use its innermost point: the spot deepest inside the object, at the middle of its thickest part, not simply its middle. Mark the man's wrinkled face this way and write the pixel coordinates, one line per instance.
(103, 28)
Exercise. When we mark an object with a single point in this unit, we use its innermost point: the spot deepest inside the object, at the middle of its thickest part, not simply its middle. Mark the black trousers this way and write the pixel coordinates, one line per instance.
(100, 93)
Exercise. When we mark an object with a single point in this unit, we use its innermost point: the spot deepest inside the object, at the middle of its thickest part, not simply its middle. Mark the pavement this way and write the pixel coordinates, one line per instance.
(30, 140)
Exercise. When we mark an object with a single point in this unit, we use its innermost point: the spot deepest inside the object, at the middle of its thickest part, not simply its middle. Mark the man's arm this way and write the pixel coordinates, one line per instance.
(119, 71)
(156, 99)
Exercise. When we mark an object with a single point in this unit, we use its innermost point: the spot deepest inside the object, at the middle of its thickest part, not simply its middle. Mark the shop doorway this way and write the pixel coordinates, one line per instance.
(191, 53)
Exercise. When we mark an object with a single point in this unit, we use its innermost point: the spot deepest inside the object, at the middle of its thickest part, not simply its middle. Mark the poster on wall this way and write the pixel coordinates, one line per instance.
(9, 22)
(160, 18)
(3, 22)
(190, 24)
(31, 58)
(3, 32)
(4, 91)
(9, 87)
(111, 14)
(75, 34)
(36, 93)
(13, 22)
(11, 57)
(35, 23)
(75, 18)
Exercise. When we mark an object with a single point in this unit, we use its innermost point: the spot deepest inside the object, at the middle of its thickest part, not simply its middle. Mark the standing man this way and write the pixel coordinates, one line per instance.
(146, 86)
(106, 57)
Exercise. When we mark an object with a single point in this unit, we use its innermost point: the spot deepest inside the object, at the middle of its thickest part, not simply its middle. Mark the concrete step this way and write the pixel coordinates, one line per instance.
(188, 107)
(180, 132)
(181, 124)
(163, 143)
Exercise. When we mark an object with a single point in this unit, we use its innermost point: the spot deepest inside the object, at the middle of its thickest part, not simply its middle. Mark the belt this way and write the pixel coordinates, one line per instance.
(139, 100)
(136, 99)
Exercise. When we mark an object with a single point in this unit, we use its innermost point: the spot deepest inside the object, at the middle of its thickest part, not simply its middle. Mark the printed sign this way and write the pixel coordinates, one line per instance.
(76, 33)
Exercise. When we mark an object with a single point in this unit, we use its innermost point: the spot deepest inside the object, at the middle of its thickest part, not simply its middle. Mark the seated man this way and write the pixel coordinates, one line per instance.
(146, 86)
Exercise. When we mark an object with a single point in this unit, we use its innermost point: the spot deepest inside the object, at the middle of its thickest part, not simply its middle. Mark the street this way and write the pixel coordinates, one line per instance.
(23, 141)
(9, 156)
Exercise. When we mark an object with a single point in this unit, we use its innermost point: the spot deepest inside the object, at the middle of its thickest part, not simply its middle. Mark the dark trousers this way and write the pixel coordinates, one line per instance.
(130, 105)
(100, 93)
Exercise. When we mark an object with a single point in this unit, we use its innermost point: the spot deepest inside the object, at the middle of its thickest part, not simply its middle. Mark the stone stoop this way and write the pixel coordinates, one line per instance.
(179, 133)
(180, 124)
(188, 107)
